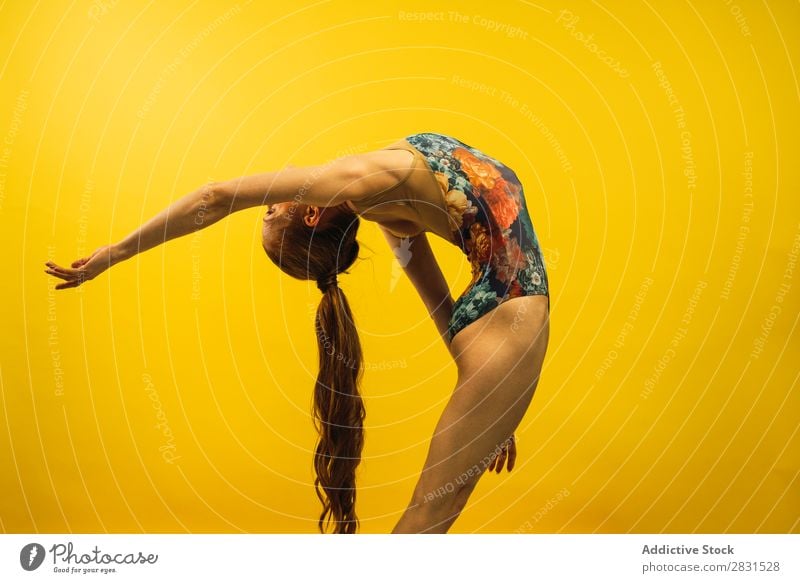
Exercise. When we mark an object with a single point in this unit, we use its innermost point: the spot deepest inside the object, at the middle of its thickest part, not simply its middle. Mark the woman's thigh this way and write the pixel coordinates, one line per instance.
(499, 358)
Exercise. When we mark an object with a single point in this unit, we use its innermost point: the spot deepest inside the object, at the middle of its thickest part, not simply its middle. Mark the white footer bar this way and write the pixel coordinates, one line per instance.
(415, 558)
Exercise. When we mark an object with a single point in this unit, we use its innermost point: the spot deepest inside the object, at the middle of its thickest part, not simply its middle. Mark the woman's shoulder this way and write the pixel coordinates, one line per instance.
(382, 171)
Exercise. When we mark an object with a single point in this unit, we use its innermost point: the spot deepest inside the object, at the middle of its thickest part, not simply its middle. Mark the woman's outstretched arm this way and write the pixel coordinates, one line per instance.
(342, 179)
(194, 211)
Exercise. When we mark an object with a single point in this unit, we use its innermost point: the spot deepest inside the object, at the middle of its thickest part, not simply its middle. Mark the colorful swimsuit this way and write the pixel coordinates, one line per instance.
(487, 218)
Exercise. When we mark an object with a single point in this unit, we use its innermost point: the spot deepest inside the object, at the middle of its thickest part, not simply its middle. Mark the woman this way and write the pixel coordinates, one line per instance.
(497, 330)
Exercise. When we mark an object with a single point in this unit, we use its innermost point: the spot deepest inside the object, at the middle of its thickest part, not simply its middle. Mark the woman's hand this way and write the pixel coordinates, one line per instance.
(83, 269)
(508, 453)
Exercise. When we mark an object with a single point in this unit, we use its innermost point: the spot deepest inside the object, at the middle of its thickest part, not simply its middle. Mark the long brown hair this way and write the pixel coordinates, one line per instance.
(320, 253)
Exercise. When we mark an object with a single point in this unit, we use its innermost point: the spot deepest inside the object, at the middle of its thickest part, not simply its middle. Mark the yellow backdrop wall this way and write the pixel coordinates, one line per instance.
(658, 146)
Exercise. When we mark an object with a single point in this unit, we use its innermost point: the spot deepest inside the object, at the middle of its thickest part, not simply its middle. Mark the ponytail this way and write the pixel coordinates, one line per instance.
(338, 410)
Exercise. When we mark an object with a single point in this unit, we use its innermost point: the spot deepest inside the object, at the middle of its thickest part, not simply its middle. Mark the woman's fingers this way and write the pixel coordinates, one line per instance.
(512, 454)
(501, 460)
(80, 272)
(71, 277)
(508, 453)
(64, 270)
(66, 276)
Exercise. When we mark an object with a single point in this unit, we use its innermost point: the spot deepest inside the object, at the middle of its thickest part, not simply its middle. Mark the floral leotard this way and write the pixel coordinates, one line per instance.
(481, 209)
(490, 223)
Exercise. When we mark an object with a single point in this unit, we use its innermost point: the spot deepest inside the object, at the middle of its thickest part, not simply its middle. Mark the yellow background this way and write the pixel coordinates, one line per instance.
(669, 398)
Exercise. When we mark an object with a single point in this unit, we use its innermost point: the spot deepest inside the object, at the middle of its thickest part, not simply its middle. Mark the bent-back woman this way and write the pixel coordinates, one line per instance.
(497, 330)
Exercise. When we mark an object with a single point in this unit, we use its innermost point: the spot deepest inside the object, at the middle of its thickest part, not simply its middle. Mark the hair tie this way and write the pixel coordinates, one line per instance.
(326, 282)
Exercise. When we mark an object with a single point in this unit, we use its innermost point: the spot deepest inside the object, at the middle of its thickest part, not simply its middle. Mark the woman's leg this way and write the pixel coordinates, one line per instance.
(499, 358)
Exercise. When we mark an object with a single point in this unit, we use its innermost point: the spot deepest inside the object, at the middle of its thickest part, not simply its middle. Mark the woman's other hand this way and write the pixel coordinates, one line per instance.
(508, 454)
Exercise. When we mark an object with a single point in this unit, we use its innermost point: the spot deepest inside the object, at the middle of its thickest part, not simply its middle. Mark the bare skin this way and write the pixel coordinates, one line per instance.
(498, 357)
